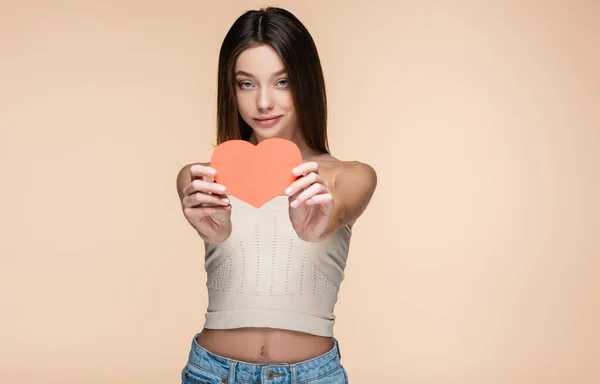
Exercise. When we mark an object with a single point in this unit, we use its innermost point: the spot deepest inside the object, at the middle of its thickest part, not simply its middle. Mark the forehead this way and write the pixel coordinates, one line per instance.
(261, 59)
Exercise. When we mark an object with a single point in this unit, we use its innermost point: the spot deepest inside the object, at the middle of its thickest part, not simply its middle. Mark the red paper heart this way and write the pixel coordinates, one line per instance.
(256, 174)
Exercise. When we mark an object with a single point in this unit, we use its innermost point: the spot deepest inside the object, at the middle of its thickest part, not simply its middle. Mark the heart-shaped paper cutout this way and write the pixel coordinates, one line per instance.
(256, 174)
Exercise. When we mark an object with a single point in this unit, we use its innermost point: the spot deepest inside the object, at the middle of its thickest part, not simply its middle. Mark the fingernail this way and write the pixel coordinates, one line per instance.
(225, 200)
(212, 171)
(288, 191)
(294, 203)
(221, 188)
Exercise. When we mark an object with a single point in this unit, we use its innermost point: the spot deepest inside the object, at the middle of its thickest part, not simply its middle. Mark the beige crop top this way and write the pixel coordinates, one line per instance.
(264, 275)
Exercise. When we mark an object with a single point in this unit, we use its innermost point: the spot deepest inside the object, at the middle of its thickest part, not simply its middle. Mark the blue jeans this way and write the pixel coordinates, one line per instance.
(204, 367)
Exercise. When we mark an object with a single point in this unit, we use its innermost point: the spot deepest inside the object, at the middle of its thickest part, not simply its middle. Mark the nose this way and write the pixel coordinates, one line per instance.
(265, 99)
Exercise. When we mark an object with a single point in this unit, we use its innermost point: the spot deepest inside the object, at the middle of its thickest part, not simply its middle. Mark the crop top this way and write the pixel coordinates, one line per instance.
(264, 275)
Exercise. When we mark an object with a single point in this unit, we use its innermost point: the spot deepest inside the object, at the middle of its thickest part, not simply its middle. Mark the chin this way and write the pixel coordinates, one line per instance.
(268, 133)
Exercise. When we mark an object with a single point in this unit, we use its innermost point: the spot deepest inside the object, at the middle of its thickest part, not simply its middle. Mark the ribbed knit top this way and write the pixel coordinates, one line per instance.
(264, 275)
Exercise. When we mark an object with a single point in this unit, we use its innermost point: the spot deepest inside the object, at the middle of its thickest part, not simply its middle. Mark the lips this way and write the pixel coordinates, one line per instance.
(267, 121)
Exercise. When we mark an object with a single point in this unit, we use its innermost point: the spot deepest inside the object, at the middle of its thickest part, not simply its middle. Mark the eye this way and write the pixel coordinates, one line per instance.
(245, 84)
(283, 83)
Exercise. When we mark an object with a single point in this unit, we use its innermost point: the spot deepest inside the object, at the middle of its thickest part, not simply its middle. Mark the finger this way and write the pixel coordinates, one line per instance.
(206, 211)
(304, 168)
(201, 199)
(308, 193)
(204, 186)
(305, 182)
(322, 198)
(198, 171)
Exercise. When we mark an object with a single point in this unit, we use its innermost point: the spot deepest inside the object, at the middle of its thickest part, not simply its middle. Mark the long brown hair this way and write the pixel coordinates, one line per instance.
(281, 30)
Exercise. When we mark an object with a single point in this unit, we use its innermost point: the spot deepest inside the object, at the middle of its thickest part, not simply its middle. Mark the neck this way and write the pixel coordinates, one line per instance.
(296, 138)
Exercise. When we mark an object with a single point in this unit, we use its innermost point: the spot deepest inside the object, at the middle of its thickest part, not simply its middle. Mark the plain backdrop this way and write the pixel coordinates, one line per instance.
(476, 262)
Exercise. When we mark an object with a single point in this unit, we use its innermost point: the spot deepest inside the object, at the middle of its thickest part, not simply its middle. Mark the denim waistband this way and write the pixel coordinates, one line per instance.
(255, 372)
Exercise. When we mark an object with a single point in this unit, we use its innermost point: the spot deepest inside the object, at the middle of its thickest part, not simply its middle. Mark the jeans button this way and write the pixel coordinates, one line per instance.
(270, 375)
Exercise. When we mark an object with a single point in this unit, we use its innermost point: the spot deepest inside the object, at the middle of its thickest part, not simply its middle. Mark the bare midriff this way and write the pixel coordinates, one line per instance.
(264, 345)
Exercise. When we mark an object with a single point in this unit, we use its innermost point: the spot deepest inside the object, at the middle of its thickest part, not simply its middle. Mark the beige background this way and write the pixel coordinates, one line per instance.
(477, 261)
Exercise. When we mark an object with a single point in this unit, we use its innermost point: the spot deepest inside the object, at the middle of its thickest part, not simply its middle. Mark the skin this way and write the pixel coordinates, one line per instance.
(327, 195)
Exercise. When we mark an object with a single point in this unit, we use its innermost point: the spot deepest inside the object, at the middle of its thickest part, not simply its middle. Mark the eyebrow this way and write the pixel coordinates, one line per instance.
(244, 73)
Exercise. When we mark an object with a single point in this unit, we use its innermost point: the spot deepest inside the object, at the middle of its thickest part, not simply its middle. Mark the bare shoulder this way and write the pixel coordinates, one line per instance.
(334, 168)
(188, 166)
(356, 177)
(352, 183)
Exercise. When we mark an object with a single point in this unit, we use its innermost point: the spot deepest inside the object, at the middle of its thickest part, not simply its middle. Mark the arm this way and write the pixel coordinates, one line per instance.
(352, 189)
(184, 178)
(202, 205)
(318, 208)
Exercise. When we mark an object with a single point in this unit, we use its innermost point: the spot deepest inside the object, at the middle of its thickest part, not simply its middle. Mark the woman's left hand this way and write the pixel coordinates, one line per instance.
(311, 202)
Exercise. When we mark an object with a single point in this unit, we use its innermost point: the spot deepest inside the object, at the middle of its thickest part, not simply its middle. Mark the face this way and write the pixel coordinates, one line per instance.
(263, 93)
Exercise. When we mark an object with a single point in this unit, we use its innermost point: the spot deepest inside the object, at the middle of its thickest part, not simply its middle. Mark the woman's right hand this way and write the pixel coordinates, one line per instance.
(206, 205)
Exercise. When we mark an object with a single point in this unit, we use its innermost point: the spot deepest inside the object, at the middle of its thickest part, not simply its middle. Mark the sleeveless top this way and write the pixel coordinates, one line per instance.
(264, 275)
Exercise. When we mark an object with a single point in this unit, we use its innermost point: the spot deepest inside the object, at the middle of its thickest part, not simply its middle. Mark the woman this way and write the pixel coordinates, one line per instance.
(274, 272)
